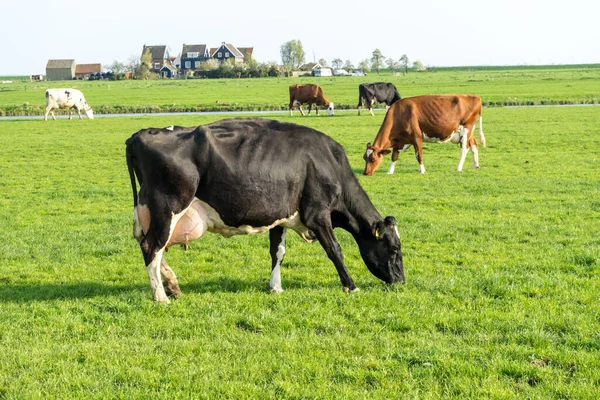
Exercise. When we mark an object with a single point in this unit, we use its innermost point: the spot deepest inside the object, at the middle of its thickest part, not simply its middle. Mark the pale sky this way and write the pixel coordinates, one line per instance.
(436, 32)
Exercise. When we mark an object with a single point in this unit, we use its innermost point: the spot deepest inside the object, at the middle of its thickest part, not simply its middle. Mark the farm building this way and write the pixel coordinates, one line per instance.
(60, 70)
(322, 72)
(160, 56)
(192, 55)
(83, 71)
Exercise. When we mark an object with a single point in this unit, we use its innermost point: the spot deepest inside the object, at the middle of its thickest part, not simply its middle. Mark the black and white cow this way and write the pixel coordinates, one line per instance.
(243, 176)
(378, 92)
(69, 99)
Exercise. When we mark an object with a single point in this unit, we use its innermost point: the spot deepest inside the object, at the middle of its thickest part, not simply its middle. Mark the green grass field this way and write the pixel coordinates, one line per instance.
(496, 87)
(502, 267)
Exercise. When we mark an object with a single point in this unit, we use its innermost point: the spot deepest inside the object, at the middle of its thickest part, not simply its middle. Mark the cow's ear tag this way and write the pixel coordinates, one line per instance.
(377, 233)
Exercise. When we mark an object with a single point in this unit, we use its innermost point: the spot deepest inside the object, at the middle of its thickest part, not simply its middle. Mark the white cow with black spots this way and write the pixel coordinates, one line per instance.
(66, 98)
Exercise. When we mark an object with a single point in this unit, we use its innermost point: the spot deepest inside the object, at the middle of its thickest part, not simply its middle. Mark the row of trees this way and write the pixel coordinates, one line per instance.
(293, 56)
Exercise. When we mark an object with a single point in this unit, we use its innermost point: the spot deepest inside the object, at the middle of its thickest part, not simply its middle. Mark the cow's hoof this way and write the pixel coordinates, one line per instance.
(348, 290)
(172, 290)
(161, 299)
(274, 290)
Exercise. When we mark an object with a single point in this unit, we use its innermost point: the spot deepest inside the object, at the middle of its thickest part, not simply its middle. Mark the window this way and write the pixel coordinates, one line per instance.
(192, 54)
(188, 64)
(156, 65)
(197, 64)
(226, 54)
(219, 54)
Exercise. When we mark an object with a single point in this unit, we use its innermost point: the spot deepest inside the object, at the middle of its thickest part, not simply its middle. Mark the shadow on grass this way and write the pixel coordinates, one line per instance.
(25, 293)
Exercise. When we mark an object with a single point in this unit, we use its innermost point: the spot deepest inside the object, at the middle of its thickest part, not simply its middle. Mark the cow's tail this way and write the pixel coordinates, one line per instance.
(129, 158)
(481, 135)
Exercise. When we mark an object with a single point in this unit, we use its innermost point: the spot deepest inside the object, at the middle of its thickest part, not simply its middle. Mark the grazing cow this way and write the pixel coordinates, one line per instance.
(311, 94)
(66, 98)
(378, 92)
(414, 120)
(244, 176)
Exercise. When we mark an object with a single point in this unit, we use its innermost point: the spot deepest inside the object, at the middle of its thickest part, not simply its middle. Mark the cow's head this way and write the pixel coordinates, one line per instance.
(330, 109)
(382, 252)
(373, 158)
(88, 110)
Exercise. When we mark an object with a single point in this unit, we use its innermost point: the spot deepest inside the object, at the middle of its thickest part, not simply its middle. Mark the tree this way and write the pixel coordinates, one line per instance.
(404, 63)
(418, 66)
(145, 67)
(323, 62)
(377, 60)
(292, 54)
(364, 66)
(117, 68)
(348, 66)
(337, 63)
(392, 64)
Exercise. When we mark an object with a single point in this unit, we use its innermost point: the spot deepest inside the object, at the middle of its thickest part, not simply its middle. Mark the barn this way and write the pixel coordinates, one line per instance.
(60, 70)
(83, 71)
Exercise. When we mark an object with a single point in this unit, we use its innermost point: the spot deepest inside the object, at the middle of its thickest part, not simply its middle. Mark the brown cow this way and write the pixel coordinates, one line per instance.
(311, 94)
(414, 120)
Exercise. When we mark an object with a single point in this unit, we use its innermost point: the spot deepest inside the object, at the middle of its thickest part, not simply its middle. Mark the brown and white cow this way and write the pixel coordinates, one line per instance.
(311, 94)
(414, 120)
(66, 98)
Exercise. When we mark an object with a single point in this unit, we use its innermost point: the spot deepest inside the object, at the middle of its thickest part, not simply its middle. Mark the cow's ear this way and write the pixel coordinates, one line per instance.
(385, 152)
(368, 145)
(377, 229)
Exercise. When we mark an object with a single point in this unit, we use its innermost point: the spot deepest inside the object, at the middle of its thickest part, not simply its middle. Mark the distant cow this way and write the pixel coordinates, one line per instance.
(66, 98)
(244, 176)
(414, 120)
(378, 92)
(311, 94)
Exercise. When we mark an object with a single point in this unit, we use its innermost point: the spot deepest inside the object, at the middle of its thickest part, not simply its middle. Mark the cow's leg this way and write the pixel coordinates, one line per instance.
(79, 112)
(395, 157)
(464, 147)
(310, 109)
(371, 107)
(301, 110)
(320, 225)
(153, 244)
(48, 109)
(475, 151)
(361, 102)
(419, 150)
(481, 136)
(170, 283)
(277, 250)
(70, 112)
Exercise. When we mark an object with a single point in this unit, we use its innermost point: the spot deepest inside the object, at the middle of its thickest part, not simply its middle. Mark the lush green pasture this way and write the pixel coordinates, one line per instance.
(502, 266)
(502, 86)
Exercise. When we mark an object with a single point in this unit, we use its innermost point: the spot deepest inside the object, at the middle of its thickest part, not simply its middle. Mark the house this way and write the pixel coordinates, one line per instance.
(192, 55)
(83, 71)
(227, 51)
(168, 71)
(322, 72)
(60, 70)
(310, 67)
(160, 57)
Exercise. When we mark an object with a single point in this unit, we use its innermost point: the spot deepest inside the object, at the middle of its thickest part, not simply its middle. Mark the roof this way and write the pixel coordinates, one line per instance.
(310, 66)
(246, 51)
(193, 48)
(60, 63)
(87, 68)
(233, 50)
(169, 67)
(157, 51)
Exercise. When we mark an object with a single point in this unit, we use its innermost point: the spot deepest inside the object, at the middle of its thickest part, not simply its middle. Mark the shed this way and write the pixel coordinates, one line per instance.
(83, 71)
(322, 72)
(60, 70)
